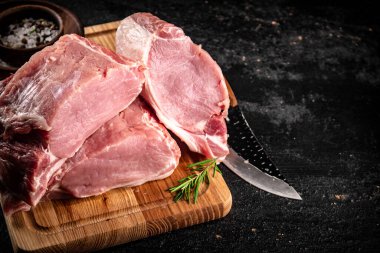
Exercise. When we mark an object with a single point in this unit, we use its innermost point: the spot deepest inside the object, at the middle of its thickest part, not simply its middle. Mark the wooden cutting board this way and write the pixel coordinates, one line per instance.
(118, 216)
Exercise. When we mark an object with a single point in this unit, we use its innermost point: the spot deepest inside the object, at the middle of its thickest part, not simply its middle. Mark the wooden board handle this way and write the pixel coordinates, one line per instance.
(233, 100)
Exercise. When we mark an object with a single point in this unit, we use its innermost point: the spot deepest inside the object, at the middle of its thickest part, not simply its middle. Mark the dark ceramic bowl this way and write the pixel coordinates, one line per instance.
(18, 56)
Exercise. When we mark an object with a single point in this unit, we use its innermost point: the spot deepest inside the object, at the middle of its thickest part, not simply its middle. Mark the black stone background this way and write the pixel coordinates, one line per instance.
(307, 75)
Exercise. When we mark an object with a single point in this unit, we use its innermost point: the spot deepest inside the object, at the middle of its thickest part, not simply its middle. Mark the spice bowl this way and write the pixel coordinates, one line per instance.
(26, 29)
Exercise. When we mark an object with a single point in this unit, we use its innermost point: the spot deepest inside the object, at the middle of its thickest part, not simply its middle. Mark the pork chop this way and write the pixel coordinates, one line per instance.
(184, 85)
(129, 150)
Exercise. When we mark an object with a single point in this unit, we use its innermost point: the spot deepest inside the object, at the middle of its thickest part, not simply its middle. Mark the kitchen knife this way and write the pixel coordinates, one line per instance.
(256, 177)
(248, 159)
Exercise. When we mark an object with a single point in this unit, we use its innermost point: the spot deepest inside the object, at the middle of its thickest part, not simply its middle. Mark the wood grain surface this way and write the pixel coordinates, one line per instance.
(120, 215)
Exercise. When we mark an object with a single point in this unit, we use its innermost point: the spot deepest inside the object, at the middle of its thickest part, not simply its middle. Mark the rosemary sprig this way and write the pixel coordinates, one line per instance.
(191, 183)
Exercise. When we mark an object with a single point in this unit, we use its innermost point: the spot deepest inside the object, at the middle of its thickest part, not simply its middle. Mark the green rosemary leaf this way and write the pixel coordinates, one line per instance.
(185, 178)
(196, 192)
(200, 163)
(207, 178)
(178, 196)
(197, 169)
(174, 188)
(192, 183)
(218, 170)
(188, 194)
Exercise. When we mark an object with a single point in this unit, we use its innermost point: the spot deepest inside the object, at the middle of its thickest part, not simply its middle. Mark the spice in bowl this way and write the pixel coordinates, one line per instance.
(29, 33)
(26, 29)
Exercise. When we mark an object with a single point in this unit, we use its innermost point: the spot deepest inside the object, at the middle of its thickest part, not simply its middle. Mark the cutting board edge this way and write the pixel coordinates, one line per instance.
(19, 245)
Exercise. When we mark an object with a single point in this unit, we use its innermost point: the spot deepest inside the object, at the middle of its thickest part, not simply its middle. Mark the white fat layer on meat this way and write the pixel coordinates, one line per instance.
(138, 39)
(37, 195)
(100, 52)
(218, 140)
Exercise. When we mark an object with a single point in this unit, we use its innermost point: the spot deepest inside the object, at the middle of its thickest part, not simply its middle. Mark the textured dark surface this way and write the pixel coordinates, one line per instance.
(308, 80)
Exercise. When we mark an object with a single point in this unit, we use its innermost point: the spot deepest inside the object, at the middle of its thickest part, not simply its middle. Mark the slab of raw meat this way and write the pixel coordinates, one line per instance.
(184, 85)
(52, 104)
(130, 149)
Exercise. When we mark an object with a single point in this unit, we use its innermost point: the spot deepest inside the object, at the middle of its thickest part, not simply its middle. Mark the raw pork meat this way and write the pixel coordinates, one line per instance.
(184, 85)
(51, 105)
(130, 149)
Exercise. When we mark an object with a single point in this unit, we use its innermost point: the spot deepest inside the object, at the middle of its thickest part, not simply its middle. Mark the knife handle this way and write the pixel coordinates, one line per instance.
(233, 100)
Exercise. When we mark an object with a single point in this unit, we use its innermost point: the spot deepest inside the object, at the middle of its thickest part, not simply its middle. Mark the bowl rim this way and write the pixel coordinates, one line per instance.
(18, 8)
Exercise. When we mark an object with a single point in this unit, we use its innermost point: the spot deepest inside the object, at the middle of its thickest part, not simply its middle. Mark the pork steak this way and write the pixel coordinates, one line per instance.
(184, 85)
(52, 104)
(129, 150)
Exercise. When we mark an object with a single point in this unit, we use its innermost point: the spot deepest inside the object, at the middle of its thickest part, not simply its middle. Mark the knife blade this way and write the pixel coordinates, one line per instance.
(260, 179)
(250, 161)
